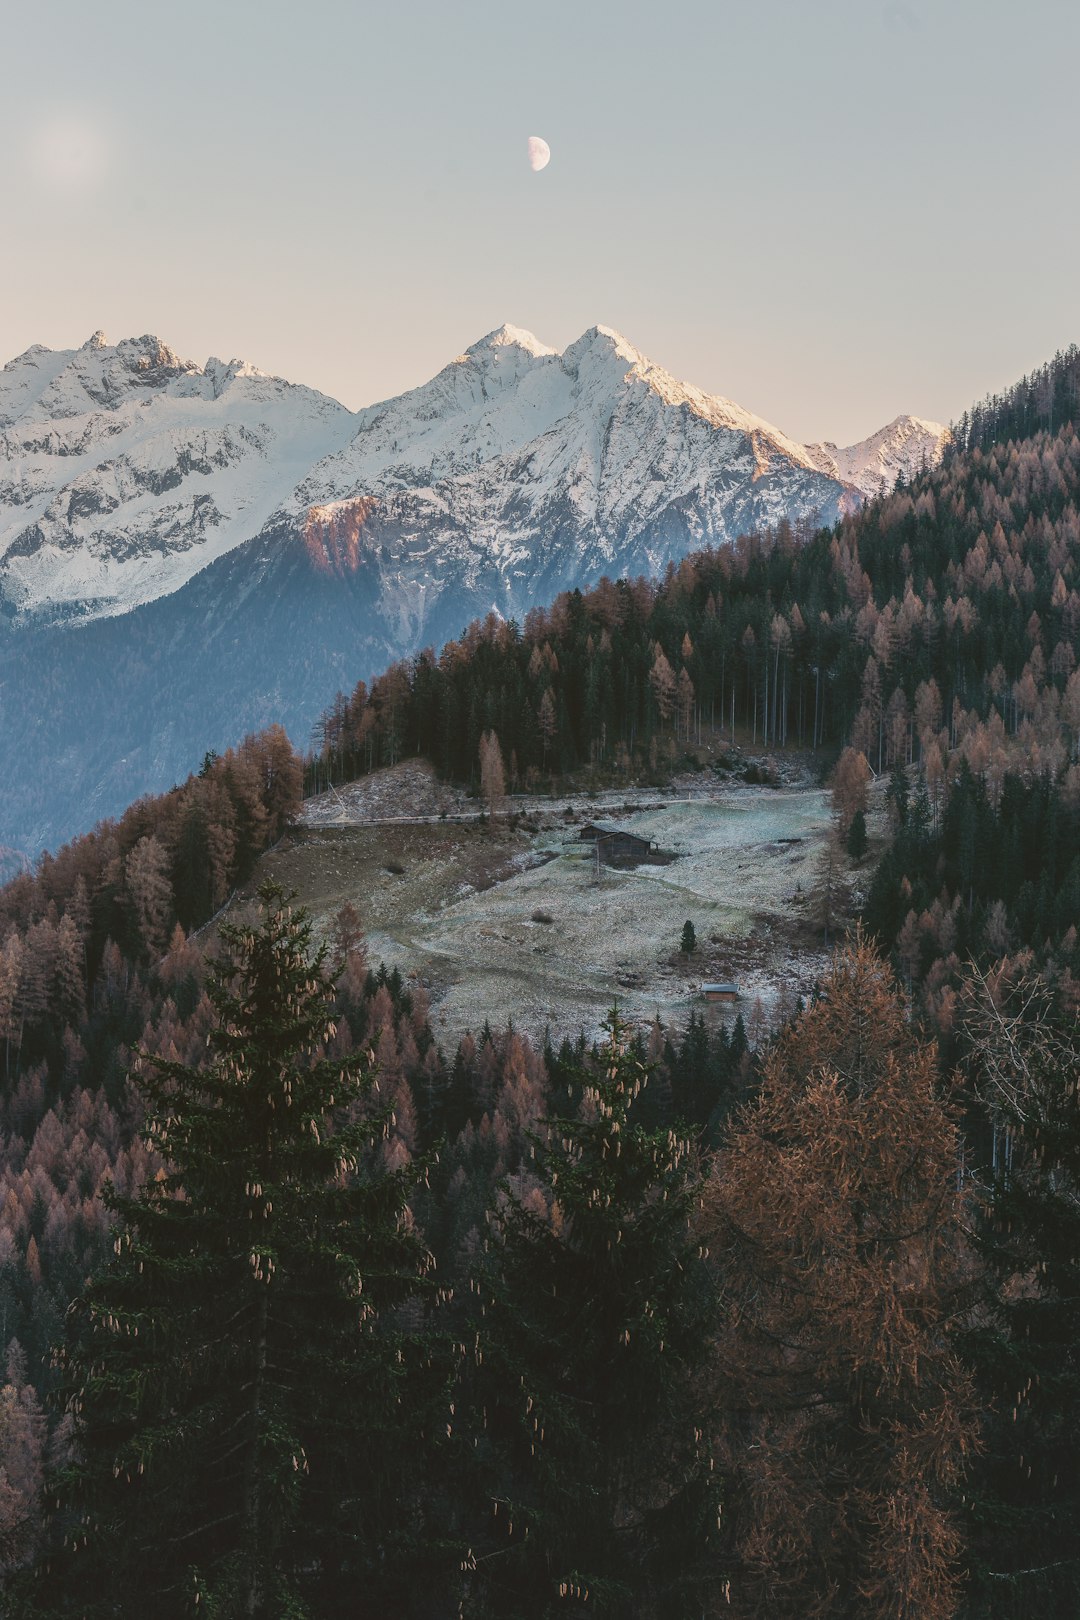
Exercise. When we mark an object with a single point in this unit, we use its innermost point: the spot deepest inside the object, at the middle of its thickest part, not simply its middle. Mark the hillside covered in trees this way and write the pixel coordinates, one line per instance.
(668, 1326)
(936, 633)
(938, 623)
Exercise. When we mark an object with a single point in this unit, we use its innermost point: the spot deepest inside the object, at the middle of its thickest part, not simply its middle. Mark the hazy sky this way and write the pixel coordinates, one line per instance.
(830, 212)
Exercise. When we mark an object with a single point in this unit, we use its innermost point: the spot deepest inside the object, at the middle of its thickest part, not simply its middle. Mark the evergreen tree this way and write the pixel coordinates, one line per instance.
(235, 1377)
(1024, 1505)
(688, 942)
(898, 794)
(857, 841)
(597, 1316)
(693, 1077)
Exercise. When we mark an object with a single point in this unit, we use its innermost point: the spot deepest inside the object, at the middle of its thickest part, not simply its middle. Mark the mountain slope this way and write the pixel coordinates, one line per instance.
(124, 470)
(542, 470)
(902, 448)
(199, 550)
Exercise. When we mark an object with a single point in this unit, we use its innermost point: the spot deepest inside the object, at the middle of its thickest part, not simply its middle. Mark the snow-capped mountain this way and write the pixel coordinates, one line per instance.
(199, 550)
(903, 448)
(124, 470)
(599, 420)
(518, 471)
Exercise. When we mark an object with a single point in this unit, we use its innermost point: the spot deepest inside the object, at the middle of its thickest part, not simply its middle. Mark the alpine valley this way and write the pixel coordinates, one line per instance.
(197, 552)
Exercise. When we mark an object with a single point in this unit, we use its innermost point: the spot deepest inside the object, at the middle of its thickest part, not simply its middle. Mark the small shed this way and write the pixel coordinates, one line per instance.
(722, 995)
(616, 846)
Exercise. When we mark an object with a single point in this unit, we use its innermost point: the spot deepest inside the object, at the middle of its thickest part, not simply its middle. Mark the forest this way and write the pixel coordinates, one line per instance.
(303, 1315)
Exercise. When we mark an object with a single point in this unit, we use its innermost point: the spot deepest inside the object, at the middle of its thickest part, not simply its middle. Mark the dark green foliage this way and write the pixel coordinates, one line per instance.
(857, 841)
(688, 941)
(708, 1078)
(1023, 852)
(1042, 402)
(236, 1376)
(971, 601)
(601, 1499)
(1023, 1505)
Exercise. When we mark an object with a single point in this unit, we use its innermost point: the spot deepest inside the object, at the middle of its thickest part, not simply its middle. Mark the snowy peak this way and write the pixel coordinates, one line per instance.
(125, 469)
(288, 545)
(98, 375)
(903, 447)
(59, 384)
(602, 345)
(56, 384)
(504, 390)
(511, 402)
(507, 337)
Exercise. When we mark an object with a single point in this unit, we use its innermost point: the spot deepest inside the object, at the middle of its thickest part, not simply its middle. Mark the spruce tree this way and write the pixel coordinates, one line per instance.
(1023, 1507)
(601, 1495)
(857, 841)
(238, 1387)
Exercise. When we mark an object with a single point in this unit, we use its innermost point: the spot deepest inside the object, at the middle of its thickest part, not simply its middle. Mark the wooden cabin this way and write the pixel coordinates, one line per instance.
(617, 846)
(721, 995)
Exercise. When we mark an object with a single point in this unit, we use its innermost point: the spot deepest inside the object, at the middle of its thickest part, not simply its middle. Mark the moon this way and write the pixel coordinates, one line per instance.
(539, 154)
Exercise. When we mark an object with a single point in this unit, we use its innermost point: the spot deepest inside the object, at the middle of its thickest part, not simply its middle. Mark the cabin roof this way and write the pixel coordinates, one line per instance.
(726, 988)
(605, 830)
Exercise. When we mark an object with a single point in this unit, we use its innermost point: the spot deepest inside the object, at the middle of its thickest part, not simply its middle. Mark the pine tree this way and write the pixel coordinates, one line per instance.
(150, 892)
(857, 841)
(235, 1378)
(546, 722)
(22, 1456)
(596, 1317)
(688, 941)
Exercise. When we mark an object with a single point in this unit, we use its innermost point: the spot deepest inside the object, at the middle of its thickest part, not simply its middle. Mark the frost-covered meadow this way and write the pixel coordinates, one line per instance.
(511, 924)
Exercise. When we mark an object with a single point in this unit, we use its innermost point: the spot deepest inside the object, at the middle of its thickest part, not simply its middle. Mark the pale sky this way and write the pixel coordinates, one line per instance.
(829, 212)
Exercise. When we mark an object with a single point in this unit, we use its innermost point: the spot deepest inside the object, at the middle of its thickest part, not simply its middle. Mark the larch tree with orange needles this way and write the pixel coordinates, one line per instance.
(834, 1220)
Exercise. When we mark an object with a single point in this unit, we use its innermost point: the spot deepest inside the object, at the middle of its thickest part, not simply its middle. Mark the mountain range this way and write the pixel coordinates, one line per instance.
(188, 552)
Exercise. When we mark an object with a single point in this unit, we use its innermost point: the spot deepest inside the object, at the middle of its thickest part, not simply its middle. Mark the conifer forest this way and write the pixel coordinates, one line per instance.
(310, 1313)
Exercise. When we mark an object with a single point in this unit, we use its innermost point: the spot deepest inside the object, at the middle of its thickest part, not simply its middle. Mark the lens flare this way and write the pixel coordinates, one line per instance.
(70, 151)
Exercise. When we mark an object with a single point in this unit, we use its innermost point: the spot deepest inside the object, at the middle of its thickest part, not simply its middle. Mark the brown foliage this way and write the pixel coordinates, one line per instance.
(850, 784)
(492, 772)
(833, 1219)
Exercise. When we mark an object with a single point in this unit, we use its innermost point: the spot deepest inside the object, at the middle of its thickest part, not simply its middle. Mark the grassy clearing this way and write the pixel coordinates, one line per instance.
(511, 924)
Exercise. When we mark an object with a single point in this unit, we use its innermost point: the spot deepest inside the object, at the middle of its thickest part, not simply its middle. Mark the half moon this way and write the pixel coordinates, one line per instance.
(539, 154)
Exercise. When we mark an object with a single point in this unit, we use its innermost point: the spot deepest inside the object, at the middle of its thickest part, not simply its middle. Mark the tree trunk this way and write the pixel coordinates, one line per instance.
(252, 1593)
